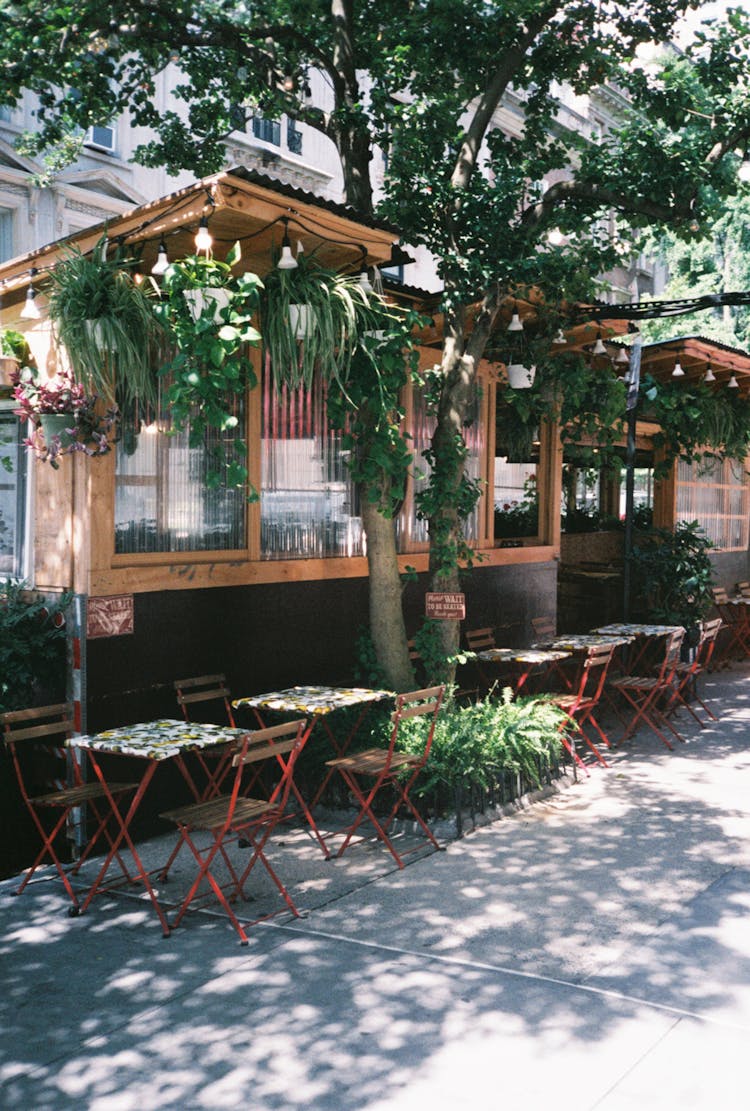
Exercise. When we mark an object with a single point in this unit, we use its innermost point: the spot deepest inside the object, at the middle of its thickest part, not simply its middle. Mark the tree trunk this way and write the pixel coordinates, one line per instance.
(386, 612)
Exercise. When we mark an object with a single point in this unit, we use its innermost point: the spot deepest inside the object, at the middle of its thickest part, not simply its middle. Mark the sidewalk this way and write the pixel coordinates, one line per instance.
(590, 952)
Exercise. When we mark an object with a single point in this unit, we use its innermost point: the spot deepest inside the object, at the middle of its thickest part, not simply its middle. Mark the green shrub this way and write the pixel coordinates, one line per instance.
(32, 645)
(474, 744)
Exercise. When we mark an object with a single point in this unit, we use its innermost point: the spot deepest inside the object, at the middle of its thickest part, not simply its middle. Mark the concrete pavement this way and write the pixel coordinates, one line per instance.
(590, 952)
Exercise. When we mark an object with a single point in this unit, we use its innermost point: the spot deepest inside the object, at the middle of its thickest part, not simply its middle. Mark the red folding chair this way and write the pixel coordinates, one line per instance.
(685, 679)
(42, 732)
(581, 703)
(236, 818)
(644, 693)
(203, 689)
(387, 767)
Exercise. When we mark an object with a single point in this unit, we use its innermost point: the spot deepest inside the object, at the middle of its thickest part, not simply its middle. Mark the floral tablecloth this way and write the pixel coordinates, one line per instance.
(639, 630)
(580, 641)
(311, 700)
(158, 740)
(523, 655)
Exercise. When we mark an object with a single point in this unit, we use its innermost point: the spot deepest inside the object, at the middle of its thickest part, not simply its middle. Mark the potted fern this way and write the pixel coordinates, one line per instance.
(105, 321)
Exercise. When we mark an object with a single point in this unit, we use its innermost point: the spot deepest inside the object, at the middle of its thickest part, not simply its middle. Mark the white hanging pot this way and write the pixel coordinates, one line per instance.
(209, 299)
(301, 320)
(521, 377)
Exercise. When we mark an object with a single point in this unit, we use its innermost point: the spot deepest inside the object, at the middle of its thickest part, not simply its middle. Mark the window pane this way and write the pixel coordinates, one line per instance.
(162, 500)
(12, 496)
(717, 496)
(6, 234)
(423, 428)
(308, 503)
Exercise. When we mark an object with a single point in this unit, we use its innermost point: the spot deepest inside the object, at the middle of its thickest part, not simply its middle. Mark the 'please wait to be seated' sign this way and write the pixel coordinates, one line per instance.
(445, 607)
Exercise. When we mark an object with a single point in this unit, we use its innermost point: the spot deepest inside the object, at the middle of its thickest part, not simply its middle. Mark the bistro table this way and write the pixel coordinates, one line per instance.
(316, 703)
(152, 742)
(643, 633)
(523, 661)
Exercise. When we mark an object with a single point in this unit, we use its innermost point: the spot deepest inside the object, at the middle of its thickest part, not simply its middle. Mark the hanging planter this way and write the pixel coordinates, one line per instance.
(521, 377)
(301, 320)
(208, 300)
(105, 322)
(60, 425)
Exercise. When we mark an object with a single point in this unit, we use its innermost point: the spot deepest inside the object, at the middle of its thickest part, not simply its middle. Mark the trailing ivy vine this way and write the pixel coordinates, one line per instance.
(211, 366)
(696, 422)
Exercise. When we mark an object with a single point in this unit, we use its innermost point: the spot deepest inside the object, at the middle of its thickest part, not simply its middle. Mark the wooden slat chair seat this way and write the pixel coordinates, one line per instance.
(385, 765)
(237, 818)
(482, 640)
(643, 693)
(52, 726)
(743, 589)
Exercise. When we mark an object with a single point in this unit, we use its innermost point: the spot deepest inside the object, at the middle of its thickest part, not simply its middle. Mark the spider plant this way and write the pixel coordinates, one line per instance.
(105, 322)
(339, 313)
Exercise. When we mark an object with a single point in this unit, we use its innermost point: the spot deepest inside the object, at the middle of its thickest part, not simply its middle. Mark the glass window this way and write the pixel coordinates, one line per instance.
(308, 502)
(6, 234)
(293, 138)
(423, 426)
(13, 456)
(717, 495)
(267, 130)
(164, 500)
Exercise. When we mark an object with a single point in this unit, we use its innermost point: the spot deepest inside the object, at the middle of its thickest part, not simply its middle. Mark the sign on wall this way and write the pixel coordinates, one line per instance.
(109, 617)
(445, 607)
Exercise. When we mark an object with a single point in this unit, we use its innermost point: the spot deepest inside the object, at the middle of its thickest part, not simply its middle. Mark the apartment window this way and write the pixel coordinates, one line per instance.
(716, 494)
(165, 499)
(6, 234)
(269, 131)
(101, 138)
(308, 503)
(5, 113)
(13, 457)
(293, 138)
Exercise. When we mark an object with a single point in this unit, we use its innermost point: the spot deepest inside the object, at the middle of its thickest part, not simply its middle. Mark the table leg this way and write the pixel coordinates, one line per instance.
(124, 835)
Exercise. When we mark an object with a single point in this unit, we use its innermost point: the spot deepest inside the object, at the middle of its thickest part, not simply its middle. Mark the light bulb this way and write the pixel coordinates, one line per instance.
(30, 310)
(678, 372)
(364, 281)
(516, 324)
(709, 376)
(162, 260)
(732, 384)
(598, 348)
(204, 241)
(622, 357)
(287, 260)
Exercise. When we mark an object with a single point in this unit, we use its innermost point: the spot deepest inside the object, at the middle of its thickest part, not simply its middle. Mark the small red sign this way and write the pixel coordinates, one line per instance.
(109, 617)
(445, 607)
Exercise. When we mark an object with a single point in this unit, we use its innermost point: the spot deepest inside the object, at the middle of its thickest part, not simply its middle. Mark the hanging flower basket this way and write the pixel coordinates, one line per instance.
(60, 425)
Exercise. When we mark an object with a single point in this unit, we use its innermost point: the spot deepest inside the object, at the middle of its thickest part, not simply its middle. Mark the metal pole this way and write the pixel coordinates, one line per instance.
(634, 381)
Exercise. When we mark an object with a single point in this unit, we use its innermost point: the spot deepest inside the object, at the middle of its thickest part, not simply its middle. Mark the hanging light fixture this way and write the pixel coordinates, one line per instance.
(30, 310)
(287, 260)
(623, 358)
(204, 241)
(516, 324)
(732, 384)
(599, 348)
(364, 279)
(162, 259)
(709, 376)
(678, 372)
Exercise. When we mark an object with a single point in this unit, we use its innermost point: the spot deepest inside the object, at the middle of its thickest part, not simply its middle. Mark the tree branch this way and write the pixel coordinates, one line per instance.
(563, 191)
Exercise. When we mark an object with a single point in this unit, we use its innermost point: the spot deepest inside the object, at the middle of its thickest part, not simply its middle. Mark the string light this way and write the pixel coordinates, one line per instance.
(287, 260)
(733, 384)
(30, 310)
(204, 241)
(678, 372)
(709, 376)
(516, 324)
(162, 260)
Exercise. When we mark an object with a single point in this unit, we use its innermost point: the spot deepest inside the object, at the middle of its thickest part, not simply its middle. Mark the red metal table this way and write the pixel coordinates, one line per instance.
(152, 743)
(316, 703)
